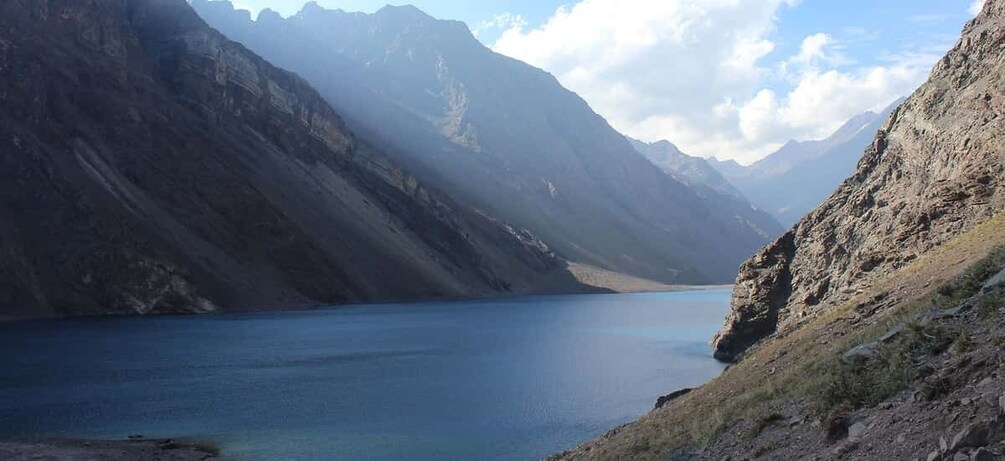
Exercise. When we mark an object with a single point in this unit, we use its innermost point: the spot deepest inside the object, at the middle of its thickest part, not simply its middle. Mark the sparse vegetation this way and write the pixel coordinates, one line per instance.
(895, 366)
(764, 423)
(970, 282)
(990, 303)
(806, 361)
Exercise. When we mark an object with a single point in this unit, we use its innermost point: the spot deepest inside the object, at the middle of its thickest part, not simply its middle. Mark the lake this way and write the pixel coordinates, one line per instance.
(510, 379)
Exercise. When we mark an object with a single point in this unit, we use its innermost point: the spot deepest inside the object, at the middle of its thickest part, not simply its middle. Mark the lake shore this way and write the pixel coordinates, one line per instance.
(103, 450)
(624, 283)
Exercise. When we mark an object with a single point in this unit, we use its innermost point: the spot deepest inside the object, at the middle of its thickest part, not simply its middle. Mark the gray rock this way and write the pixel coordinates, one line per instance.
(1001, 404)
(934, 455)
(982, 454)
(856, 430)
(943, 445)
(974, 435)
(994, 282)
(961, 457)
(892, 334)
(862, 352)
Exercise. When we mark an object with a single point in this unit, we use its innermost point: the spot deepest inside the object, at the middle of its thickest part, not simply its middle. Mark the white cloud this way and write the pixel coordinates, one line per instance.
(694, 72)
(502, 21)
(976, 7)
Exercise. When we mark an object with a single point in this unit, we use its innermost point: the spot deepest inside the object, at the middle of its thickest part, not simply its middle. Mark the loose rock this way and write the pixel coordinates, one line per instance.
(856, 430)
(862, 352)
(994, 282)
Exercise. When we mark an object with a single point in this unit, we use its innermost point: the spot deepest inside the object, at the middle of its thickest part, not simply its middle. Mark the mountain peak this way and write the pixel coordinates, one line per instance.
(403, 11)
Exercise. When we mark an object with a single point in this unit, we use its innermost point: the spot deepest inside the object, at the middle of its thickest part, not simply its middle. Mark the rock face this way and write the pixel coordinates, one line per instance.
(148, 164)
(933, 171)
(505, 137)
(800, 175)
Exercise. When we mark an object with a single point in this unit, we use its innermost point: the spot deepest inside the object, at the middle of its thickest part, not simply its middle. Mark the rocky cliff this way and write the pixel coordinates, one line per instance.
(505, 137)
(934, 170)
(148, 164)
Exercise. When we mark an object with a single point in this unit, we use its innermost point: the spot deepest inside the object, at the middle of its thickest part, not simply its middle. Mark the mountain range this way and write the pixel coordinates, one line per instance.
(151, 165)
(506, 138)
(802, 174)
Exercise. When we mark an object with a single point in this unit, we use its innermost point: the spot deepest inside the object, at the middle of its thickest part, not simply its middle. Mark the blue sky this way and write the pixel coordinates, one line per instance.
(724, 78)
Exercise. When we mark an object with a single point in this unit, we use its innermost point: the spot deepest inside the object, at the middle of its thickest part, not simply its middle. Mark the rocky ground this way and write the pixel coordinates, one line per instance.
(953, 407)
(926, 366)
(102, 450)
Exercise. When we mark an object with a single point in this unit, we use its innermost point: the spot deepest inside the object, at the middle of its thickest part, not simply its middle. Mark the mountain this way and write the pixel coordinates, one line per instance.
(504, 137)
(802, 174)
(874, 328)
(933, 171)
(149, 165)
(693, 171)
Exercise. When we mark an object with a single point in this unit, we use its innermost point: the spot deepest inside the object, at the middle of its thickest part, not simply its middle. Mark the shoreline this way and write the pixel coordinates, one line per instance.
(651, 287)
(624, 283)
(105, 450)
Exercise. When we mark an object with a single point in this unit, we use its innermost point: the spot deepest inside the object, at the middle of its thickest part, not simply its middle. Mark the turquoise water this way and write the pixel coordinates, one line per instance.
(508, 379)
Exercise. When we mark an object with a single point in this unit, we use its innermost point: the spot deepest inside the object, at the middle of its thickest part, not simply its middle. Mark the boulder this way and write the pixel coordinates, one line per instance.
(996, 281)
(856, 430)
(892, 334)
(663, 400)
(861, 353)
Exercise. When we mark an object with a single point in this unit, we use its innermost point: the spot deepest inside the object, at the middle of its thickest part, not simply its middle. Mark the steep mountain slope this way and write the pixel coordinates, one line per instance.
(934, 170)
(693, 171)
(503, 136)
(148, 164)
(801, 175)
(887, 303)
(702, 178)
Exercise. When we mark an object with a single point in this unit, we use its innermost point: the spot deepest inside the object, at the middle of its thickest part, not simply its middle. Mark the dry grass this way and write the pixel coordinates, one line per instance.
(801, 365)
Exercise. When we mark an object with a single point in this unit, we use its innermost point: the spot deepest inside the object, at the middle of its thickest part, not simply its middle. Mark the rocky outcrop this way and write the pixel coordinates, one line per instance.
(149, 164)
(506, 138)
(934, 171)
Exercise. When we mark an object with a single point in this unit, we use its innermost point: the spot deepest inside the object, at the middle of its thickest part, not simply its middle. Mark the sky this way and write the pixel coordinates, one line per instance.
(733, 79)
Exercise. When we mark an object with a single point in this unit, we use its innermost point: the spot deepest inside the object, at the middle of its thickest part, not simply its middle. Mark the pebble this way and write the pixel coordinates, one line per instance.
(933, 455)
(901, 438)
(943, 444)
(961, 457)
(1001, 404)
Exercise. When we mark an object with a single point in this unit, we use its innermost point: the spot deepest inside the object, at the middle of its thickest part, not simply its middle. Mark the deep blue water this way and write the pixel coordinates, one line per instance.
(504, 379)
